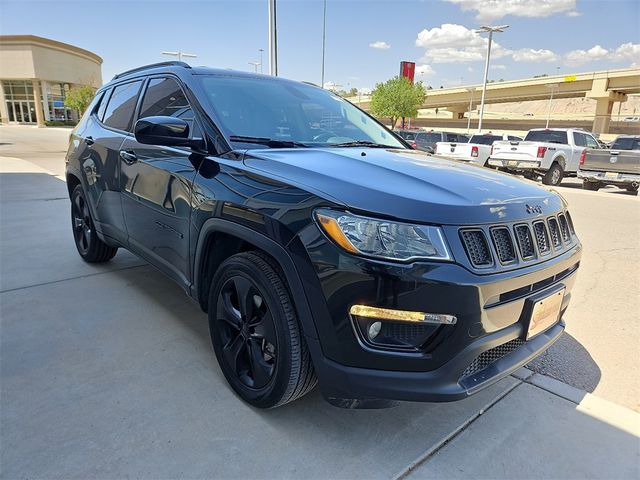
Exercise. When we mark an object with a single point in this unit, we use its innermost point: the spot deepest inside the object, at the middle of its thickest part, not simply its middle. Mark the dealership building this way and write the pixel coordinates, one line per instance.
(36, 73)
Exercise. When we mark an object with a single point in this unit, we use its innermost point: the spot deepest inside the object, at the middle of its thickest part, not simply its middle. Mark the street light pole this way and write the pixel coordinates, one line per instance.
(470, 90)
(255, 66)
(180, 55)
(261, 62)
(324, 37)
(273, 40)
(552, 87)
(491, 31)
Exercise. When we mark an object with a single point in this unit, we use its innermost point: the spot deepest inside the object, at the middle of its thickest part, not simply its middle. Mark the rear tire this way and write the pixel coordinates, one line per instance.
(592, 186)
(255, 332)
(633, 190)
(554, 175)
(88, 244)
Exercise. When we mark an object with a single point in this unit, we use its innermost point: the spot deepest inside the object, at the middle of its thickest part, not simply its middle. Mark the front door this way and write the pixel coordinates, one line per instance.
(156, 185)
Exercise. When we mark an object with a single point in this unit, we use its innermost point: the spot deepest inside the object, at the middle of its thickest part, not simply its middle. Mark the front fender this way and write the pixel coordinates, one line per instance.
(261, 241)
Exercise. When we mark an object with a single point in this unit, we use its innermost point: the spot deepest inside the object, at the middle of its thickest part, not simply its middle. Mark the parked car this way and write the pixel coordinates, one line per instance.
(631, 119)
(426, 141)
(407, 135)
(476, 150)
(553, 153)
(619, 165)
(322, 247)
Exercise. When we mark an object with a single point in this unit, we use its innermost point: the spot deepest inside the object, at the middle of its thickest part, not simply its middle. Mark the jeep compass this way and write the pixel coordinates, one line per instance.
(321, 246)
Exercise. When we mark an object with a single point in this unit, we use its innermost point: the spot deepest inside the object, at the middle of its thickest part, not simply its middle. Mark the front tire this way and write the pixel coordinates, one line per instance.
(88, 244)
(255, 332)
(554, 175)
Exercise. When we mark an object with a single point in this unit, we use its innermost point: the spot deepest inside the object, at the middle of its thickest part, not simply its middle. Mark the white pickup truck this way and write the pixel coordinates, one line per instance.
(476, 150)
(553, 153)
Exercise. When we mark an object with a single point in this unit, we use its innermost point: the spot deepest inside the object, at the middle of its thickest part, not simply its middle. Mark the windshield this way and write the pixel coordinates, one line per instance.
(286, 111)
(485, 139)
(549, 136)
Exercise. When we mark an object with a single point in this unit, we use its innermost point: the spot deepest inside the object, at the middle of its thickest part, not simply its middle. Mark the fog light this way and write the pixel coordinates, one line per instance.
(374, 330)
(402, 315)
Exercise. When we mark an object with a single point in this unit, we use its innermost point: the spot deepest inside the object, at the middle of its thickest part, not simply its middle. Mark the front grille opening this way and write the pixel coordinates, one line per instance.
(503, 244)
(564, 228)
(542, 237)
(525, 242)
(477, 247)
(554, 230)
(485, 359)
(570, 222)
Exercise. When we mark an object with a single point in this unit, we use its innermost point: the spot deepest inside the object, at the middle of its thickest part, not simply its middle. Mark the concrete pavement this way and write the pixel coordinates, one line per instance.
(107, 372)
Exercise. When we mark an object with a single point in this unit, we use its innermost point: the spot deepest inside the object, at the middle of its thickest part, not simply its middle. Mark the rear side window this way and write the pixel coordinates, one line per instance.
(550, 136)
(103, 104)
(626, 143)
(122, 104)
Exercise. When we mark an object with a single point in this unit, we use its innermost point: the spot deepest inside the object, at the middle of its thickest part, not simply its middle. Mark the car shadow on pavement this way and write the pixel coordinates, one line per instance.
(581, 371)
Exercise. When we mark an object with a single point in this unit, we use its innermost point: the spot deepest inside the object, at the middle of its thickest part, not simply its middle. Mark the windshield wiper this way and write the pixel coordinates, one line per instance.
(269, 142)
(361, 143)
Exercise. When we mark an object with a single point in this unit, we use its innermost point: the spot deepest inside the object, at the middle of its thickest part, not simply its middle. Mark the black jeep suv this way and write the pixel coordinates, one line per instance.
(320, 245)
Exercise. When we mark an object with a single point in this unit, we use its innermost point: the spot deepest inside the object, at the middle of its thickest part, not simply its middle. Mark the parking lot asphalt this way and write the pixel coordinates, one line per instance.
(107, 371)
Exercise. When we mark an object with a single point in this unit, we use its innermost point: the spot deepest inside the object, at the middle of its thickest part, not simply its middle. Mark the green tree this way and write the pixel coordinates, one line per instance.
(79, 97)
(397, 98)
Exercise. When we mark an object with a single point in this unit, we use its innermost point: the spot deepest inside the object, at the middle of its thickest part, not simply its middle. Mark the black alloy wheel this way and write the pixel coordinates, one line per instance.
(255, 332)
(247, 332)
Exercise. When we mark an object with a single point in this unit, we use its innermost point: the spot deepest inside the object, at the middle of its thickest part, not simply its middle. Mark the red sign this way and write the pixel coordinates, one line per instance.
(408, 70)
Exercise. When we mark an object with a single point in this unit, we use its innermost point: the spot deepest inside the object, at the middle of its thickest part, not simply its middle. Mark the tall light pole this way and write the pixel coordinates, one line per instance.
(273, 40)
(180, 55)
(261, 50)
(553, 88)
(324, 37)
(471, 90)
(491, 31)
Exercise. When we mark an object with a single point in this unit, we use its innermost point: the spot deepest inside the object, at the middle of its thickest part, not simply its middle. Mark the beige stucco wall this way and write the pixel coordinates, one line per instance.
(28, 57)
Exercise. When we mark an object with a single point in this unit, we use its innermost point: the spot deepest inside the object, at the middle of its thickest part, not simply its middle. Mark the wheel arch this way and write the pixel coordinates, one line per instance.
(72, 182)
(241, 238)
(560, 160)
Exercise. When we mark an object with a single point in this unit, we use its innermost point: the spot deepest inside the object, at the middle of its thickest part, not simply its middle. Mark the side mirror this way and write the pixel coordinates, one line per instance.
(167, 131)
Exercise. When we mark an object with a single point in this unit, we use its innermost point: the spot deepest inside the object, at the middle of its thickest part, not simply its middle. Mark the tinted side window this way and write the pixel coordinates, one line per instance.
(580, 139)
(626, 143)
(164, 97)
(451, 137)
(121, 105)
(103, 104)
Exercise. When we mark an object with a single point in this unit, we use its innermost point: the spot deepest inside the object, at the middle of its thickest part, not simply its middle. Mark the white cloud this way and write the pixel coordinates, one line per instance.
(574, 13)
(532, 55)
(498, 66)
(628, 52)
(489, 10)
(380, 45)
(425, 70)
(453, 43)
(470, 69)
(330, 86)
(580, 57)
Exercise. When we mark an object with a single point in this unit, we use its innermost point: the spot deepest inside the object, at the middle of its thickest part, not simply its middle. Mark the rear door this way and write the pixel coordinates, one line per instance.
(104, 135)
(156, 185)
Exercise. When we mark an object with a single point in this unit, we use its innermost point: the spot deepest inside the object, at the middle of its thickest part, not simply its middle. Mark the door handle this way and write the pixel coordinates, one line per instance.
(128, 157)
(89, 141)
(614, 153)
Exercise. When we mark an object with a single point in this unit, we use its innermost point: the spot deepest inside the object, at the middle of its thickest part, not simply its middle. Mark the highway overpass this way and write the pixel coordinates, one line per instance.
(606, 87)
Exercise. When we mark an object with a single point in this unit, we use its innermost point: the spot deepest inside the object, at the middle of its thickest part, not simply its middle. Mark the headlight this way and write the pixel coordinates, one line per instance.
(382, 238)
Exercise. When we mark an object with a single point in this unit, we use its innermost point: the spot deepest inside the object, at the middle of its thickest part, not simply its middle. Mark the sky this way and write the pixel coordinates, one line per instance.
(365, 40)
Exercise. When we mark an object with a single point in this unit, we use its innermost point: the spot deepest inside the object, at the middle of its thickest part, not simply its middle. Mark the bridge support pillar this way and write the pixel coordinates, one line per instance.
(458, 111)
(604, 104)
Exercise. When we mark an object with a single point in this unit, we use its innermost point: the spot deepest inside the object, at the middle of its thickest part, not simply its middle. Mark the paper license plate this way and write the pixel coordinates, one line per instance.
(610, 175)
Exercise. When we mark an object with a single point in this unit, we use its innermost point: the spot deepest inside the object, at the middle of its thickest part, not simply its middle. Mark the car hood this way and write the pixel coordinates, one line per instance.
(407, 184)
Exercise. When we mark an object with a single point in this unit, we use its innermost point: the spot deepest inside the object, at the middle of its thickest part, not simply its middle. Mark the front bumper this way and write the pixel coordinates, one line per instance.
(491, 310)
(515, 164)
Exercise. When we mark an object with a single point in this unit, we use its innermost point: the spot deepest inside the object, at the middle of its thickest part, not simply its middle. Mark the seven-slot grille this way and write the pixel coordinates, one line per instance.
(530, 240)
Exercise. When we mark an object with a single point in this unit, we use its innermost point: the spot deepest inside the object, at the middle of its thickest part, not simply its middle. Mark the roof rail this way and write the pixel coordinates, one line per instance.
(173, 63)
